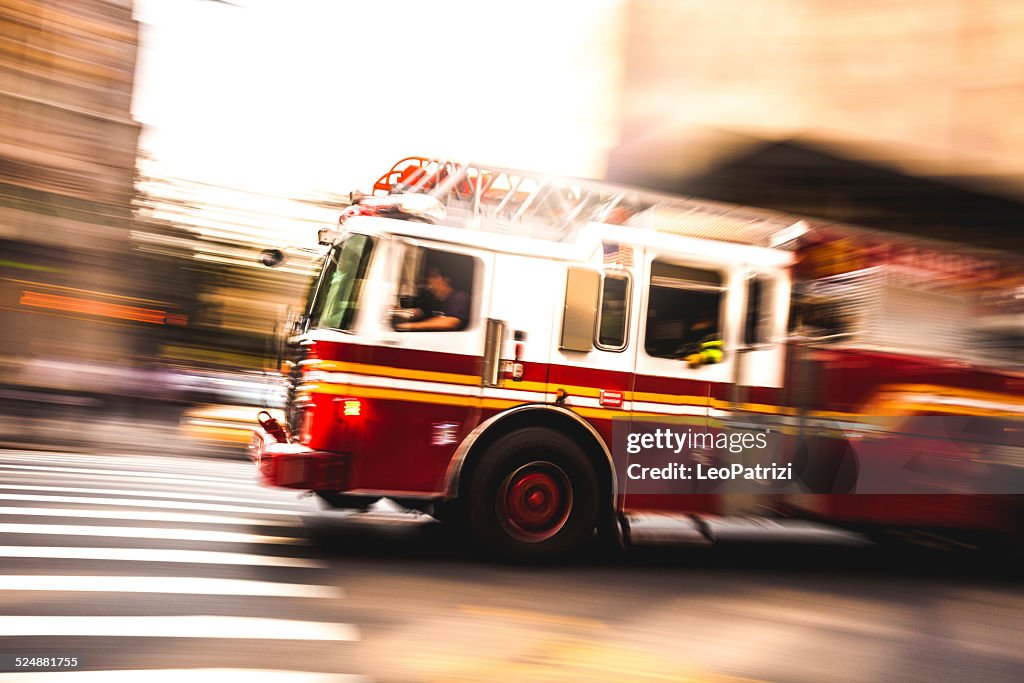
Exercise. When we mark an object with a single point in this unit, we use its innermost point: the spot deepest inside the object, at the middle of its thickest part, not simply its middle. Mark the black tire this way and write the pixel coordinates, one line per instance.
(533, 496)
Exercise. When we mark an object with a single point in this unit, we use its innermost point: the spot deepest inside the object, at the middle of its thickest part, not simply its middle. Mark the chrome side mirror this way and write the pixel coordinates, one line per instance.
(328, 236)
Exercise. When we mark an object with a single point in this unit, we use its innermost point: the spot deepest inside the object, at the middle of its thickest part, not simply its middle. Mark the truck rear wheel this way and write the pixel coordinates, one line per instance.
(533, 496)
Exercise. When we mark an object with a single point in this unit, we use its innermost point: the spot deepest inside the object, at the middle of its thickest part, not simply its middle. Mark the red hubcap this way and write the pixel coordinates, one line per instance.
(535, 501)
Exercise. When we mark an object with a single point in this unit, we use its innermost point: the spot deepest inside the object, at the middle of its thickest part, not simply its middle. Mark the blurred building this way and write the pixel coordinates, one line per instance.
(68, 145)
(891, 113)
(207, 239)
(819, 179)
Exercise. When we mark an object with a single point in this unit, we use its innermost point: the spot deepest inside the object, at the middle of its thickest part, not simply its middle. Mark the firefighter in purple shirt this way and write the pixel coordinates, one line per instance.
(450, 310)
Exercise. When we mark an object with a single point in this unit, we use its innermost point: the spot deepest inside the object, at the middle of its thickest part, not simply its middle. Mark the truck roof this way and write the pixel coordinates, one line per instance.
(517, 211)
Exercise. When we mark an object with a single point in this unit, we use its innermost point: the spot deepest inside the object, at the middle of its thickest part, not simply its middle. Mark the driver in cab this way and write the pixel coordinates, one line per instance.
(449, 310)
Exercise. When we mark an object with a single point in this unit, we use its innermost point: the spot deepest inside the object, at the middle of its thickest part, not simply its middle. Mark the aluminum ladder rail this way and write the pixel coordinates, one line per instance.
(531, 204)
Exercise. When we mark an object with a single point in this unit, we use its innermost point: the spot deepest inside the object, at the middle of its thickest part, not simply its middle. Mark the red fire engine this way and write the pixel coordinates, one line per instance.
(475, 333)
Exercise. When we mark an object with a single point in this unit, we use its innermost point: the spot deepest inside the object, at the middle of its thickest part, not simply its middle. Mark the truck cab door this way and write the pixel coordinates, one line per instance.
(591, 370)
(426, 384)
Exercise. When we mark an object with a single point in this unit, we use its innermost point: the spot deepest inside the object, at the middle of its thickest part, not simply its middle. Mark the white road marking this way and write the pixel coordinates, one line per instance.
(246, 472)
(144, 503)
(152, 460)
(198, 626)
(183, 585)
(222, 481)
(143, 515)
(156, 555)
(177, 675)
(104, 478)
(146, 532)
(280, 498)
(183, 495)
(134, 461)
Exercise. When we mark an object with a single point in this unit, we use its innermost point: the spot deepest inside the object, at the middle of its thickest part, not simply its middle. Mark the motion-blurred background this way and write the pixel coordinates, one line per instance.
(149, 150)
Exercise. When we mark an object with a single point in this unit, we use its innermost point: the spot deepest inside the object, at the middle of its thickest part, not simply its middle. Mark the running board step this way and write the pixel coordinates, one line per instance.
(661, 528)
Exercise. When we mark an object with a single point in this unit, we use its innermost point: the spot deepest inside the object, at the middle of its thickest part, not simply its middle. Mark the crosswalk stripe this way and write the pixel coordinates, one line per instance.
(144, 503)
(147, 532)
(103, 478)
(221, 675)
(93, 481)
(142, 516)
(181, 585)
(154, 460)
(243, 475)
(190, 501)
(240, 470)
(118, 460)
(142, 492)
(156, 555)
(225, 481)
(192, 626)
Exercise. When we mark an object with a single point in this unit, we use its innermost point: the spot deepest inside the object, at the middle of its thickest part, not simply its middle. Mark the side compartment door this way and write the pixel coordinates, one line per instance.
(426, 383)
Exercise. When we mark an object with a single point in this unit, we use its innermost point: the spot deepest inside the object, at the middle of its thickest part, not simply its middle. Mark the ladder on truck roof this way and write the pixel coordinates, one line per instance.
(520, 202)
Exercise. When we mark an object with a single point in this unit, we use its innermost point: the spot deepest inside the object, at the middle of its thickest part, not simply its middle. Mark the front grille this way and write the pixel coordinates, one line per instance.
(295, 353)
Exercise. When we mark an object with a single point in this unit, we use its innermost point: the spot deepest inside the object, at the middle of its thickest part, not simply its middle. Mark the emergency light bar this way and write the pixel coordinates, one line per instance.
(417, 206)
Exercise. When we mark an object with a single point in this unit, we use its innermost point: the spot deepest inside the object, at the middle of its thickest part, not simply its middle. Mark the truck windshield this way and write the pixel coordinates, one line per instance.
(336, 297)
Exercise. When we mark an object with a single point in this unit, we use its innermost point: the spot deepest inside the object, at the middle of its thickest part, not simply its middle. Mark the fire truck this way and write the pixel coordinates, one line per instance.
(583, 308)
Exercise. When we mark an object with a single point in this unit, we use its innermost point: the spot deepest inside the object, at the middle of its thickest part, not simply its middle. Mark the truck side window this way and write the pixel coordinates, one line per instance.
(756, 329)
(683, 309)
(613, 315)
(435, 291)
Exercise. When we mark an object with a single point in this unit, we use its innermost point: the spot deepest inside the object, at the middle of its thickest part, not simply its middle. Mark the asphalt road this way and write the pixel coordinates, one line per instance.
(169, 563)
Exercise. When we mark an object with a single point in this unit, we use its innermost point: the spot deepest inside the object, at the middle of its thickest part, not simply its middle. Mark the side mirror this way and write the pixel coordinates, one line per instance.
(271, 258)
(327, 236)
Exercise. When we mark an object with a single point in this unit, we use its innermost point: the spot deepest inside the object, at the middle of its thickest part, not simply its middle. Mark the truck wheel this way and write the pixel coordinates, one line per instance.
(533, 496)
